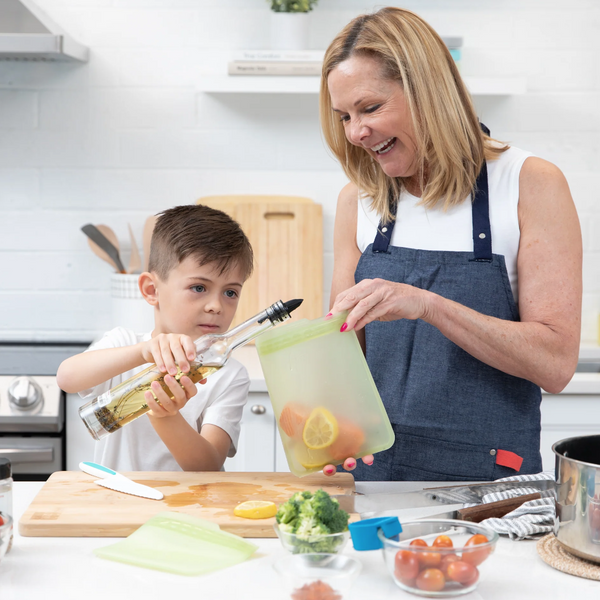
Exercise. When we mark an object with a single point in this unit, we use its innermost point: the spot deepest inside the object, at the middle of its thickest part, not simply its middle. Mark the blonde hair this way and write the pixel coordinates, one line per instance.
(451, 147)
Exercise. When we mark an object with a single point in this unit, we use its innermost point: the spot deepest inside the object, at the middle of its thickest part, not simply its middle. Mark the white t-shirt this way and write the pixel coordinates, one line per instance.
(137, 446)
(434, 229)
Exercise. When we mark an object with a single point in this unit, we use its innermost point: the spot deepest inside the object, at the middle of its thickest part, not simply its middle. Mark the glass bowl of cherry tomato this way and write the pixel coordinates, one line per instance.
(438, 557)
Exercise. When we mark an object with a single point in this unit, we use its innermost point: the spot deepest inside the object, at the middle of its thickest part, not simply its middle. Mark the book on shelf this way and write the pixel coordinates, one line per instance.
(240, 67)
(279, 55)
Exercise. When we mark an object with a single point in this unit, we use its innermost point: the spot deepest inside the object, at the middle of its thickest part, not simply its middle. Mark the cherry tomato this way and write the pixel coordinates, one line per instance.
(476, 557)
(419, 542)
(447, 560)
(1, 521)
(431, 580)
(442, 541)
(406, 565)
(429, 559)
(462, 571)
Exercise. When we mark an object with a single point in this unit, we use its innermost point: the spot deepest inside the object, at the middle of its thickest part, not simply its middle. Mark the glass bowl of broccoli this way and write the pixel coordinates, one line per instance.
(312, 523)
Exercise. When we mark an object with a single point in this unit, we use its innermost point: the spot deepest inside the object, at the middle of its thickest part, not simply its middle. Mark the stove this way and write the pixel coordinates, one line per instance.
(32, 407)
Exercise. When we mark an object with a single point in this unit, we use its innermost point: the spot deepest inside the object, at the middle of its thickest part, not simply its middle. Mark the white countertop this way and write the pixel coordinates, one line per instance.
(66, 569)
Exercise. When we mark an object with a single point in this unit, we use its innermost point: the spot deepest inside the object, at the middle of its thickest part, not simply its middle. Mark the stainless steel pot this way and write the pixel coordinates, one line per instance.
(577, 521)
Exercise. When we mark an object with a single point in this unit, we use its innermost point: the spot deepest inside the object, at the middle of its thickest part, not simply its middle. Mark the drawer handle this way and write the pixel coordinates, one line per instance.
(258, 409)
(28, 455)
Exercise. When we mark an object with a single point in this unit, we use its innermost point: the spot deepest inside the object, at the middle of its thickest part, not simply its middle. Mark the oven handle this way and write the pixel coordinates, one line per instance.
(28, 455)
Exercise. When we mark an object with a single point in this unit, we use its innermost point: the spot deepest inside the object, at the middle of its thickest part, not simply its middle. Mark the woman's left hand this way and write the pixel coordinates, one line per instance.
(380, 300)
(166, 406)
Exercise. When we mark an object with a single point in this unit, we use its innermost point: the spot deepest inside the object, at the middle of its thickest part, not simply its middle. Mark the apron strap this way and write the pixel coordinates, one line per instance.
(480, 210)
(385, 230)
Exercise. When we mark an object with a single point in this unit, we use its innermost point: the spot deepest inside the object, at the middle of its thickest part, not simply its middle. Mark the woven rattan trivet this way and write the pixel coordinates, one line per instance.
(556, 556)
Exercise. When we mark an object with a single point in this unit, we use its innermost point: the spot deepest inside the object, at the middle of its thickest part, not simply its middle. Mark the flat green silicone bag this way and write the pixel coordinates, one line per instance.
(181, 544)
(325, 400)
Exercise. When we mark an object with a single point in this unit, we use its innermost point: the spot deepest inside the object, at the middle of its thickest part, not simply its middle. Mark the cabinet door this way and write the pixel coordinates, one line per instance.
(565, 416)
(80, 444)
(256, 446)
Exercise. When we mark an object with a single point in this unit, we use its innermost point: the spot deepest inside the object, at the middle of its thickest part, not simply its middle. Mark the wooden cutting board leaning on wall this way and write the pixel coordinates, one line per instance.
(70, 504)
(286, 234)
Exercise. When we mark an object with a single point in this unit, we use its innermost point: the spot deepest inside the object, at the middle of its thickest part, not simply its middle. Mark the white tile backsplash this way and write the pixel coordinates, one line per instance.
(128, 134)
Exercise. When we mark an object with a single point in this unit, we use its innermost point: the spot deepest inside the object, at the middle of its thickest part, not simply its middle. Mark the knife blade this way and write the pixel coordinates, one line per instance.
(119, 483)
(473, 514)
(436, 496)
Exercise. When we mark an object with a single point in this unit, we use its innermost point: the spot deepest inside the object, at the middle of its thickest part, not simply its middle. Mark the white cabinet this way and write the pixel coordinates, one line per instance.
(564, 416)
(80, 444)
(256, 446)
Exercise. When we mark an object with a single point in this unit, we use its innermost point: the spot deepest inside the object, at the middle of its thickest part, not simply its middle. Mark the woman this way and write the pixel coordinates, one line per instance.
(458, 258)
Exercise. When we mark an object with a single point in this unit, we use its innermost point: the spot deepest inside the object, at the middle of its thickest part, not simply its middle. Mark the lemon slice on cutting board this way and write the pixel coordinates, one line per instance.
(321, 429)
(255, 509)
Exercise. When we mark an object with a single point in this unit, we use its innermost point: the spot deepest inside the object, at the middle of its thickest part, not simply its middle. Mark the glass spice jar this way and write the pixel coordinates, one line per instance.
(6, 485)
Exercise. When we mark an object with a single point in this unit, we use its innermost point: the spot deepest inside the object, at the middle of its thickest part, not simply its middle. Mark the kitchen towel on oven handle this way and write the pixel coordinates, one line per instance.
(531, 519)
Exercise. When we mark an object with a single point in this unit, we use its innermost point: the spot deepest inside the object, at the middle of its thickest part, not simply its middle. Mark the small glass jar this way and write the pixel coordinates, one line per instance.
(6, 485)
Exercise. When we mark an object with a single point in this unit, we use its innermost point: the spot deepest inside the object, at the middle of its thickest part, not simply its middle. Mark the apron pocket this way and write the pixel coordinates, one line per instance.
(422, 458)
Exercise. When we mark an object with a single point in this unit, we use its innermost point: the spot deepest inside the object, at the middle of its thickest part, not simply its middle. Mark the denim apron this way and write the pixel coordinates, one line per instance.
(455, 418)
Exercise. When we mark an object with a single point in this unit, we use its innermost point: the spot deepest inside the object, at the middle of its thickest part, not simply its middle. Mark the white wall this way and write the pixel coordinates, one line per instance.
(128, 134)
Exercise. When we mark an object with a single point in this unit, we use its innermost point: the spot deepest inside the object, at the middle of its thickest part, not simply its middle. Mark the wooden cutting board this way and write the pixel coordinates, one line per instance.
(70, 504)
(286, 234)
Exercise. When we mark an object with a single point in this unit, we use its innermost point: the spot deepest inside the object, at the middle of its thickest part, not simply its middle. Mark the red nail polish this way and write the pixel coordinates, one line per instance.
(329, 315)
(329, 471)
(351, 465)
(368, 463)
(344, 327)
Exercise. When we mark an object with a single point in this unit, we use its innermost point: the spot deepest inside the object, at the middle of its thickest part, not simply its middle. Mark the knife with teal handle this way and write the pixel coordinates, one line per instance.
(115, 481)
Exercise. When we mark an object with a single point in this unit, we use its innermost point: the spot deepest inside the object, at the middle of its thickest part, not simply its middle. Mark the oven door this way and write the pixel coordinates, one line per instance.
(33, 457)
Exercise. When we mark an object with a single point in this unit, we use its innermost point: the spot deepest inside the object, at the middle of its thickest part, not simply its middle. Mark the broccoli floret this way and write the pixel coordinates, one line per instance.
(288, 513)
(311, 516)
(338, 522)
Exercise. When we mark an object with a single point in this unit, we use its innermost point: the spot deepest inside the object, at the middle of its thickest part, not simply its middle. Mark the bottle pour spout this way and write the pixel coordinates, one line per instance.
(291, 305)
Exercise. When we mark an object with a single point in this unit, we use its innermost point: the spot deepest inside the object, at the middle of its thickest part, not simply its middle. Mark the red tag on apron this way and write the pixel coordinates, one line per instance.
(508, 459)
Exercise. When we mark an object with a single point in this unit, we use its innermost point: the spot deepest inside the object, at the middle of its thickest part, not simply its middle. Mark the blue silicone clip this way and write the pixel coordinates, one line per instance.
(364, 533)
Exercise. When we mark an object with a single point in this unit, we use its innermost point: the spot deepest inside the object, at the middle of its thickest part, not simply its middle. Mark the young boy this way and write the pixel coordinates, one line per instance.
(199, 260)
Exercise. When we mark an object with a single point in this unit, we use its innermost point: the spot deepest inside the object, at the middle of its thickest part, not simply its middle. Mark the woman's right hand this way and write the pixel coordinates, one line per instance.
(380, 300)
(168, 350)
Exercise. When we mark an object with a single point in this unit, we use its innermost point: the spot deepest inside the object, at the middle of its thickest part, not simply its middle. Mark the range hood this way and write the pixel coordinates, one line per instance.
(27, 33)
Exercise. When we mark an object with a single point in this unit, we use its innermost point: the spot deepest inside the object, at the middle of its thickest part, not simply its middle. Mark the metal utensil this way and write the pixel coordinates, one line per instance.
(101, 243)
(135, 262)
(473, 514)
(437, 496)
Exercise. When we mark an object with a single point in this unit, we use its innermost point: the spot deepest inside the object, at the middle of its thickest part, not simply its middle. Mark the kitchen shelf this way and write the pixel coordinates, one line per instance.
(240, 84)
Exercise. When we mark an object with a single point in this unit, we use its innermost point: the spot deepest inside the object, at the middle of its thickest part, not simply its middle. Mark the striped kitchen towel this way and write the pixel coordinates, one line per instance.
(532, 518)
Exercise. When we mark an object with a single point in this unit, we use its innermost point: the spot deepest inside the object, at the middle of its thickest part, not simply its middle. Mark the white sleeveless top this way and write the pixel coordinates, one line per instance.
(433, 229)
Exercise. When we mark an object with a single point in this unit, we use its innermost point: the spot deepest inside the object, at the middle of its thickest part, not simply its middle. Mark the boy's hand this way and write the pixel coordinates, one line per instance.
(168, 350)
(182, 391)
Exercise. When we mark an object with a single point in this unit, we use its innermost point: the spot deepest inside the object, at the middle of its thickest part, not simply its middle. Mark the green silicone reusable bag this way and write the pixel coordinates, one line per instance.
(179, 543)
(310, 366)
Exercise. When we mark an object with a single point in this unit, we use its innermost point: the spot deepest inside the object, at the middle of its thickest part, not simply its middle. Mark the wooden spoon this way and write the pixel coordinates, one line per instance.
(135, 262)
(147, 238)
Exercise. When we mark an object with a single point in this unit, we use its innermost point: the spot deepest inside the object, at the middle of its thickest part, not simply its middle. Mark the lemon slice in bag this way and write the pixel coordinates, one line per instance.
(320, 430)
(255, 509)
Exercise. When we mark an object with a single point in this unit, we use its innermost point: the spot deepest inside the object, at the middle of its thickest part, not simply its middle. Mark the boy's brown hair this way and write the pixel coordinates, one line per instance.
(209, 235)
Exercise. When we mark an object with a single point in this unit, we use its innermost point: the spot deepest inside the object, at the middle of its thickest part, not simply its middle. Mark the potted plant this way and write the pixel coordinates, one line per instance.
(289, 23)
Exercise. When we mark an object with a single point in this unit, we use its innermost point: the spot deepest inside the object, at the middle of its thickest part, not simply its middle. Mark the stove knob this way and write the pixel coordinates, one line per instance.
(24, 393)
